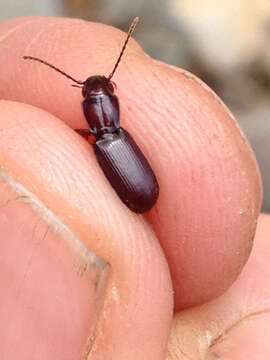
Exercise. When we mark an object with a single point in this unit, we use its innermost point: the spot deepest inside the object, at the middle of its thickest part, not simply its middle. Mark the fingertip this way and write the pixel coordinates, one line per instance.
(210, 188)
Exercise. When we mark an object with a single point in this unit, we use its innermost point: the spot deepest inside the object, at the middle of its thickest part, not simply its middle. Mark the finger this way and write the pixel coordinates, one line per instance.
(236, 325)
(210, 187)
(58, 285)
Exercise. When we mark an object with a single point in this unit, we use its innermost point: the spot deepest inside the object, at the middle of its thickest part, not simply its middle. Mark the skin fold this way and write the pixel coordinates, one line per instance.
(185, 252)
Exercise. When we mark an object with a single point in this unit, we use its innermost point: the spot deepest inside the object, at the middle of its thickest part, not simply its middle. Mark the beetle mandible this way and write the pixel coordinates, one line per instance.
(118, 155)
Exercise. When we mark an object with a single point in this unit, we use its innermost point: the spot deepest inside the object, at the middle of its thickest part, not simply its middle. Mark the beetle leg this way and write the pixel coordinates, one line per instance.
(85, 133)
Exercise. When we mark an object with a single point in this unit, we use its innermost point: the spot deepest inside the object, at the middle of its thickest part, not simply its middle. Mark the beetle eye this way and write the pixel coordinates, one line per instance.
(110, 87)
(114, 85)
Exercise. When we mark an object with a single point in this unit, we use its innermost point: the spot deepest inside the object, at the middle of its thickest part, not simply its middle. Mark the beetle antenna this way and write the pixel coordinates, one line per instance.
(53, 67)
(130, 31)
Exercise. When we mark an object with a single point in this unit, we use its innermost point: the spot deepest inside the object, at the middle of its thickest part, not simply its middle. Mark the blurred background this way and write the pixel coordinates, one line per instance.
(226, 43)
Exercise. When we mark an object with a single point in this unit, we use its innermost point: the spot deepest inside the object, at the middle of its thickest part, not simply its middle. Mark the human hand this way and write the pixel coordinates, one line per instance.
(205, 218)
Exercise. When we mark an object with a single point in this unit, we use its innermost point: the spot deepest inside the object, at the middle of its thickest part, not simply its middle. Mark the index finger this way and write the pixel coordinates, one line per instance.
(210, 190)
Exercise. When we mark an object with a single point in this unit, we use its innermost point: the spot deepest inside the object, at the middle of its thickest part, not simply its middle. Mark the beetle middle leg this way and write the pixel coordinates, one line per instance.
(85, 133)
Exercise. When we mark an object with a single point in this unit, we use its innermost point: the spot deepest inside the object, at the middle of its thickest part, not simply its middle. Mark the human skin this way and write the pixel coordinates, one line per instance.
(187, 251)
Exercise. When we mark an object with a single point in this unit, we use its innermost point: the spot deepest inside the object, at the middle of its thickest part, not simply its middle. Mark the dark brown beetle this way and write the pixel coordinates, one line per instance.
(120, 158)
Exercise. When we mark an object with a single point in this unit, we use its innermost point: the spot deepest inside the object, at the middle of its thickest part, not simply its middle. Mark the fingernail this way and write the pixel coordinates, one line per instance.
(51, 284)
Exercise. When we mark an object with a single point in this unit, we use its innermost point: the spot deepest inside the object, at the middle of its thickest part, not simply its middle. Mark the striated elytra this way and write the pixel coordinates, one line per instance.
(127, 170)
(118, 155)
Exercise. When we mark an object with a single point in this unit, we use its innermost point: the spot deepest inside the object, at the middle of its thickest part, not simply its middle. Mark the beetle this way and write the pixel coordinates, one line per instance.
(118, 155)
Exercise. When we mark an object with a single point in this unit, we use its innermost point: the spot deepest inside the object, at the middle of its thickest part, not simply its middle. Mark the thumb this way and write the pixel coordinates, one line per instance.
(78, 271)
